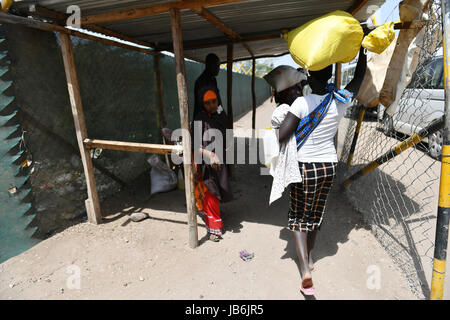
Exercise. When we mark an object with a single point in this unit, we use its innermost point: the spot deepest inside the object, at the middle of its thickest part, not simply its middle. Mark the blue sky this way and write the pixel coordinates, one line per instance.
(387, 12)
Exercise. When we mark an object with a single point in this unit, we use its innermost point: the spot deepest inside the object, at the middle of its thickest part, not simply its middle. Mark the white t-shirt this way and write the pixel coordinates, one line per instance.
(319, 146)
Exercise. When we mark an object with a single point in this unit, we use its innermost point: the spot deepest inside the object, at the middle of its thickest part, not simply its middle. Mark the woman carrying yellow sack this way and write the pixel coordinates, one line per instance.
(314, 120)
(212, 176)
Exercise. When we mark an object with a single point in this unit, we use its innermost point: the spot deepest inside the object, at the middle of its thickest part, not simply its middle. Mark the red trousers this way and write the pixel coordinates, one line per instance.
(213, 221)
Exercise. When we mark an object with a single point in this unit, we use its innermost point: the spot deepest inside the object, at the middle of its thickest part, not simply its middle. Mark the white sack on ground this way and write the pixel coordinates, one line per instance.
(162, 178)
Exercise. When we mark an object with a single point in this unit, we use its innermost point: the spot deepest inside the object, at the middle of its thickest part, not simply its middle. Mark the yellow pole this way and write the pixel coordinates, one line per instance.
(441, 240)
(355, 137)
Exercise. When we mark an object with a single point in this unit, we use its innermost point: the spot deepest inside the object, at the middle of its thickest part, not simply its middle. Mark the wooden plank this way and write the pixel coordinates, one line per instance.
(152, 10)
(36, 24)
(131, 146)
(61, 19)
(162, 122)
(184, 117)
(158, 87)
(357, 5)
(253, 93)
(416, 24)
(205, 13)
(92, 203)
(230, 83)
(261, 56)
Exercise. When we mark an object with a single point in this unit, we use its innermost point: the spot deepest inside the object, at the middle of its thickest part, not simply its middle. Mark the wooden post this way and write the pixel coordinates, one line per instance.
(338, 75)
(230, 83)
(92, 203)
(253, 94)
(162, 122)
(184, 117)
(158, 85)
(338, 83)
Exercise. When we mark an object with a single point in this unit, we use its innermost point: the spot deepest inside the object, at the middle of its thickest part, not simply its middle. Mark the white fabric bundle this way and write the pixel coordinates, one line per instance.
(284, 166)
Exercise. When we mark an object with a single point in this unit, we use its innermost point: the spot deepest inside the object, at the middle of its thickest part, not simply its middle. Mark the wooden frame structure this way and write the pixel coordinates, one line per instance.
(85, 144)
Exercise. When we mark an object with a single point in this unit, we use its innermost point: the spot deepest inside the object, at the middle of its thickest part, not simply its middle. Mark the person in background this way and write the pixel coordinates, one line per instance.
(207, 79)
(314, 120)
(212, 176)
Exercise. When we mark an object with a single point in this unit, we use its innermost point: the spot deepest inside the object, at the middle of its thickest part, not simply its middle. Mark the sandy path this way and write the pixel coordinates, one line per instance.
(151, 260)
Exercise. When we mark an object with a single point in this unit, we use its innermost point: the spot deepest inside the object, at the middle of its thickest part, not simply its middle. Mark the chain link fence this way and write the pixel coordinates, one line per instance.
(246, 67)
(399, 198)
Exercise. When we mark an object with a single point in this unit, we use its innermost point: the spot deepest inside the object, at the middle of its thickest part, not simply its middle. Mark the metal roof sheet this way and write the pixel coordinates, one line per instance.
(251, 17)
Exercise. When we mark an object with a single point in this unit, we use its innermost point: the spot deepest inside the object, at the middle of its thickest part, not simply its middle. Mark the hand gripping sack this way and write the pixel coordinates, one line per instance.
(333, 38)
(379, 39)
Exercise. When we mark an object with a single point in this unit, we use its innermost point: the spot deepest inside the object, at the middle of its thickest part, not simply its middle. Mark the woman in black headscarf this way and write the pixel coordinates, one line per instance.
(212, 175)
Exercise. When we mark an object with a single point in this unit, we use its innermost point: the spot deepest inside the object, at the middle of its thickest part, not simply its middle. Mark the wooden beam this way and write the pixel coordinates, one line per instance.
(92, 203)
(260, 57)
(205, 13)
(175, 21)
(61, 19)
(253, 94)
(416, 24)
(357, 6)
(152, 10)
(230, 83)
(36, 24)
(131, 146)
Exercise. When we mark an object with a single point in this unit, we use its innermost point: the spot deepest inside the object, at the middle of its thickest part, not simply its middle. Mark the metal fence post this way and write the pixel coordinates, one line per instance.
(440, 244)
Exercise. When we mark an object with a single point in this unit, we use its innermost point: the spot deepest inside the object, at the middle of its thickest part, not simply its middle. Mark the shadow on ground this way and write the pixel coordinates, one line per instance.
(251, 190)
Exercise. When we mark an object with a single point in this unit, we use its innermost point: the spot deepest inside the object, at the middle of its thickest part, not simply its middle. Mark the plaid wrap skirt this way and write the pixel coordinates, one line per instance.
(308, 198)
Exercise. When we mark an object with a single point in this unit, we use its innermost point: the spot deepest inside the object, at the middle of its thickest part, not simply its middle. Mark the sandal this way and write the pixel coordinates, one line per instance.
(214, 237)
(245, 255)
(307, 287)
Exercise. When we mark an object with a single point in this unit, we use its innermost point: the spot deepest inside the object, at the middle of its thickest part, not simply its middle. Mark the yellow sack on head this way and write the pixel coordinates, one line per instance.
(379, 39)
(333, 38)
(5, 5)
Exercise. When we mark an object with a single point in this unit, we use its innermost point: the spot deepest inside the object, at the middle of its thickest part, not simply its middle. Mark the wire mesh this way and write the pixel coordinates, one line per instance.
(399, 198)
(246, 67)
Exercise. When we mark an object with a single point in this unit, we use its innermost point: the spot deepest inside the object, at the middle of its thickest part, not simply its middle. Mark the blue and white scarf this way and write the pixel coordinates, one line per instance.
(312, 120)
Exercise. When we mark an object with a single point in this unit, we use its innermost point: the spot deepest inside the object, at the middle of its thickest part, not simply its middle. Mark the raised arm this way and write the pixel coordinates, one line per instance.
(360, 71)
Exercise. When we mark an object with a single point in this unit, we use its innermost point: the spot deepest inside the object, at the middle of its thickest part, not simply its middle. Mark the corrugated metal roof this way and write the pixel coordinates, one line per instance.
(251, 17)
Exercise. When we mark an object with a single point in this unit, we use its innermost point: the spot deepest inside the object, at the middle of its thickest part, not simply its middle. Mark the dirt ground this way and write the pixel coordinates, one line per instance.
(121, 259)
